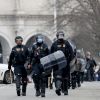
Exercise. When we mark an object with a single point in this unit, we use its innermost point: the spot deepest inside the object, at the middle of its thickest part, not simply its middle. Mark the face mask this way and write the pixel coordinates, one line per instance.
(39, 40)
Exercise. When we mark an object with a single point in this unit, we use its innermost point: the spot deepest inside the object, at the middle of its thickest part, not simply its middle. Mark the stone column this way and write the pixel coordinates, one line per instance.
(19, 18)
(17, 5)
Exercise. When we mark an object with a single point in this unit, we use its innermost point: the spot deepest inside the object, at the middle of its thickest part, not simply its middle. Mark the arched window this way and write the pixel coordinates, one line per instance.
(33, 40)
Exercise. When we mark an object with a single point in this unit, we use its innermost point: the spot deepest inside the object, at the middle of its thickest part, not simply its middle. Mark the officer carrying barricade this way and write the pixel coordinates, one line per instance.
(62, 77)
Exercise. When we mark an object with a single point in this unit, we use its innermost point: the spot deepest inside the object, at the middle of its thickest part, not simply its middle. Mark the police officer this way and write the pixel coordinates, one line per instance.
(90, 65)
(39, 50)
(17, 59)
(72, 65)
(62, 77)
(73, 72)
(78, 69)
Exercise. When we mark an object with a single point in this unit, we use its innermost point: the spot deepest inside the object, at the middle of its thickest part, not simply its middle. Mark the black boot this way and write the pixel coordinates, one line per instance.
(79, 85)
(58, 92)
(42, 94)
(65, 92)
(24, 89)
(18, 92)
(38, 93)
(23, 93)
(73, 87)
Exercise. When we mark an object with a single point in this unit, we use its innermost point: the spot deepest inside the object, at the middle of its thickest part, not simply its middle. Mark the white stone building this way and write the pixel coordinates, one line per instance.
(26, 18)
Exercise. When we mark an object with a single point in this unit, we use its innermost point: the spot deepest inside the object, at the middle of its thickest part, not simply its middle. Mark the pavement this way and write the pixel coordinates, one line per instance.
(88, 91)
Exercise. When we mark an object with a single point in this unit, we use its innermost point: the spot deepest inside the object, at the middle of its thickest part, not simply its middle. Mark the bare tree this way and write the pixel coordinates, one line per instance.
(87, 21)
(88, 12)
(83, 16)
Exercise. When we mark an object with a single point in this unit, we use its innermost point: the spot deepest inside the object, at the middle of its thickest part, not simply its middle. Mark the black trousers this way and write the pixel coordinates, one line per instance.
(81, 77)
(61, 80)
(40, 82)
(78, 77)
(73, 79)
(90, 75)
(21, 77)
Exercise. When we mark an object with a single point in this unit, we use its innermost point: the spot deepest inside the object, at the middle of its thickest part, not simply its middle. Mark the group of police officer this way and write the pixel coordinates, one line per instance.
(20, 55)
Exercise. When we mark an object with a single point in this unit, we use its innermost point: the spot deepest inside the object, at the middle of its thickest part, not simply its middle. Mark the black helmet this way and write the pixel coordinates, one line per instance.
(18, 38)
(39, 39)
(60, 35)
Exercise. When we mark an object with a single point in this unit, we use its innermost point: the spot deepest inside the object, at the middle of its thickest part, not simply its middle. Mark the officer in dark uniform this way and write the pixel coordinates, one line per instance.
(39, 50)
(90, 66)
(17, 59)
(72, 65)
(78, 66)
(62, 77)
(73, 74)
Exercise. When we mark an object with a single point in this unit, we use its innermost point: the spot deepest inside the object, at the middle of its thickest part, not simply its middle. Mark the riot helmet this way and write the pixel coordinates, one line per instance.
(60, 35)
(39, 39)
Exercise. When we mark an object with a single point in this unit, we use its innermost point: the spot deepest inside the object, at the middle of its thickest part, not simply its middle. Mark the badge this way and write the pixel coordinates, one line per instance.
(22, 49)
(64, 45)
(59, 46)
(18, 49)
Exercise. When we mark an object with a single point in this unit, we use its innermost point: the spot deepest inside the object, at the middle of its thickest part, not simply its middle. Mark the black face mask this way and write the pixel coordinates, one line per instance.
(39, 44)
(19, 45)
(61, 40)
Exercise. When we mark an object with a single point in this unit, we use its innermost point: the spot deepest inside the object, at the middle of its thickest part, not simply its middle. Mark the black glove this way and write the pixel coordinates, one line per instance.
(43, 74)
(9, 67)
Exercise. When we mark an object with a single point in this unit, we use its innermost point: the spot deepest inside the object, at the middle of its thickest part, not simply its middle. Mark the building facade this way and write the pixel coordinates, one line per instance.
(26, 18)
